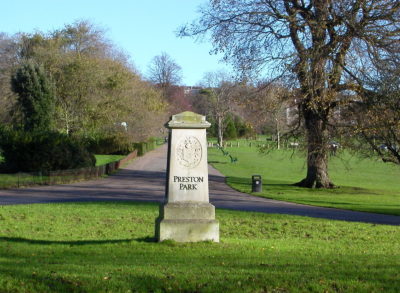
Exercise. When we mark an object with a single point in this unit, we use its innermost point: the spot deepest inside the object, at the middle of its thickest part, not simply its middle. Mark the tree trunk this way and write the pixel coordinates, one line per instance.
(317, 157)
(220, 131)
(66, 123)
(278, 134)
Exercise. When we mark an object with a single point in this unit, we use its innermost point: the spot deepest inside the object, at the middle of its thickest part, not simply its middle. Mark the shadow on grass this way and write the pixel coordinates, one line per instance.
(280, 187)
(76, 243)
(217, 162)
(346, 197)
(268, 185)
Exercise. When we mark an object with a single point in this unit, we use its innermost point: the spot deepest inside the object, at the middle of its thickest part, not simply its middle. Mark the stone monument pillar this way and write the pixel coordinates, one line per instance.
(186, 215)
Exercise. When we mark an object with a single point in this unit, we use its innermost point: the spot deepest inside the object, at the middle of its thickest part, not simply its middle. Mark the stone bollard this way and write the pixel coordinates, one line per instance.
(186, 214)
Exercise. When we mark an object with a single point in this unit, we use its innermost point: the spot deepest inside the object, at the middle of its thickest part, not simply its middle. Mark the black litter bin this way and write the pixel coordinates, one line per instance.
(256, 183)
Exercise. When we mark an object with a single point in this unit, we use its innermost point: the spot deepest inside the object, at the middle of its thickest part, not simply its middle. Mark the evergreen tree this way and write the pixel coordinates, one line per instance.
(212, 131)
(35, 96)
(230, 130)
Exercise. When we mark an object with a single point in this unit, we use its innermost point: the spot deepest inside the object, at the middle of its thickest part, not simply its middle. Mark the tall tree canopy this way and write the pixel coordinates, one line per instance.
(8, 61)
(164, 71)
(166, 74)
(96, 88)
(36, 97)
(320, 42)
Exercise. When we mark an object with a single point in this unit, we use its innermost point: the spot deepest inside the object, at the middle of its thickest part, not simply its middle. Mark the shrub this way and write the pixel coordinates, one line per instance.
(111, 144)
(146, 146)
(45, 151)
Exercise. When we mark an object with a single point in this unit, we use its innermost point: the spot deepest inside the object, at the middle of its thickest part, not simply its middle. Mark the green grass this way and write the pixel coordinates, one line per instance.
(364, 184)
(105, 159)
(108, 247)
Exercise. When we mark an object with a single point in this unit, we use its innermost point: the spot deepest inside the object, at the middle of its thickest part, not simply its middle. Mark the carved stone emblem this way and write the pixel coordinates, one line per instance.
(189, 152)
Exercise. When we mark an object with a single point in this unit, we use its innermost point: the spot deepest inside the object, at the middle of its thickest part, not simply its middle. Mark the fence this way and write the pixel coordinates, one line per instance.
(62, 176)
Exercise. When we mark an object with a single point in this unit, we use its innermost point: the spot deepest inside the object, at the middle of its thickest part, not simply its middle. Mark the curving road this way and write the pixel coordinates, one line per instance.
(144, 180)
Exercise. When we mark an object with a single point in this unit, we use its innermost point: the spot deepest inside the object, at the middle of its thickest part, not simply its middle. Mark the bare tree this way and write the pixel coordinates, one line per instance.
(312, 39)
(376, 115)
(220, 92)
(164, 71)
(267, 105)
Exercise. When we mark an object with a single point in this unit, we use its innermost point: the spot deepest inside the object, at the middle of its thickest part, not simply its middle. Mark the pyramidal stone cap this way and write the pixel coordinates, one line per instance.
(188, 120)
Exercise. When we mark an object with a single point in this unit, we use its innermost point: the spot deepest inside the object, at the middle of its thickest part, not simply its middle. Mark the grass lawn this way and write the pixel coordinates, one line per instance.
(365, 184)
(105, 159)
(108, 247)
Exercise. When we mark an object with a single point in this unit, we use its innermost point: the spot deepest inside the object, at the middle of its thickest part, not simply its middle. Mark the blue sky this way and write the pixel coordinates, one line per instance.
(142, 28)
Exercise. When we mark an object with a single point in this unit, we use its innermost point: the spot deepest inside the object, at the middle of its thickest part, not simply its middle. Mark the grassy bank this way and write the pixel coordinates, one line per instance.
(108, 247)
(105, 159)
(365, 185)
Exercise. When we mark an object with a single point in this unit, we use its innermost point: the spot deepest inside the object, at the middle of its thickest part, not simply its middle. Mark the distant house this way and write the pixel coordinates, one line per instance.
(291, 111)
(191, 90)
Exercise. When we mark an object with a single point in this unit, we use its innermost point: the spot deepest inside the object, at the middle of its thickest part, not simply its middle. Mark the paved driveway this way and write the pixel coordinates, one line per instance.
(144, 180)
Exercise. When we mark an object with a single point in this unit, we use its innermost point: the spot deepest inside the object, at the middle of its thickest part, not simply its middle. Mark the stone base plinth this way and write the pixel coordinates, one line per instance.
(188, 230)
(187, 222)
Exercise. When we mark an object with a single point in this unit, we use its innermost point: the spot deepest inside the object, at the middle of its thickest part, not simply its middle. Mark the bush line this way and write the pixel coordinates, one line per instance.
(23, 179)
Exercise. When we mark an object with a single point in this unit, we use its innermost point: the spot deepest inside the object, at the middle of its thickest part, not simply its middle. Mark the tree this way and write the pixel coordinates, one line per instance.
(313, 40)
(164, 71)
(35, 97)
(8, 61)
(230, 130)
(177, 99)
(84, 38)
(266, 106)
(97, 89)
(199, 102)
(376, 115)
(166, 74)
(220, 92)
